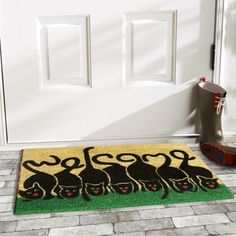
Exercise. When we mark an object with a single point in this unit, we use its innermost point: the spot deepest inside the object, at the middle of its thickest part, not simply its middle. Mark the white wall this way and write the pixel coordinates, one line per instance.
(228, 66)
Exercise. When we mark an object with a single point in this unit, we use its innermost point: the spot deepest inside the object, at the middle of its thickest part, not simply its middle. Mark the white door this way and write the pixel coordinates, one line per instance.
(87, 70)
(227, 67)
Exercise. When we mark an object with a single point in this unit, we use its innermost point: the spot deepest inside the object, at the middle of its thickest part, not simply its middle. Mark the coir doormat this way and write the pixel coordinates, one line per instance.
(88, 178)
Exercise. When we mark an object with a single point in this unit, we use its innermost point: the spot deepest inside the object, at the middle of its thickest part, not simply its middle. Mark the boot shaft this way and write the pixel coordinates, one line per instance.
(211, 102)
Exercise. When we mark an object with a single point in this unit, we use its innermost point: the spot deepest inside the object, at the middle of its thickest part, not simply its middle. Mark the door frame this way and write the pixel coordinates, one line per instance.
(3, 126)
(220, 21)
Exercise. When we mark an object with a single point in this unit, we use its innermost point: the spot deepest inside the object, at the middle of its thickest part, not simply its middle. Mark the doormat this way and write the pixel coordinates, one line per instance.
(89, 178)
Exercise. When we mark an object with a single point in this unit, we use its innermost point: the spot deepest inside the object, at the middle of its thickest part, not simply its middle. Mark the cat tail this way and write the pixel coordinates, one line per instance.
(184, 155)
(84, 195)
(87, 157)
(27, 164)
(97, 161)
(75, 165)
(167, 158)
(165, 189)
(164, 186)
(136, 156)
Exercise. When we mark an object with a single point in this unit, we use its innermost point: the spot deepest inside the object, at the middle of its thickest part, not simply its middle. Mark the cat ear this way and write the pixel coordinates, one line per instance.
(21, 192)
(202, 178)
(112, 188)
(173, 180)
(61, 187)
(184, 179)
(36, 185)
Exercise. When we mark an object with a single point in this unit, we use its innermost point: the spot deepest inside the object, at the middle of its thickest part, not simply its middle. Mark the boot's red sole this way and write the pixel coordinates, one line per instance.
(218, 154)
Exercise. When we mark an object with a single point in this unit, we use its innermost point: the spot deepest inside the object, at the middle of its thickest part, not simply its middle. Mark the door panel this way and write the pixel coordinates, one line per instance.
(149, 47)
(63, 51)
(77, 70)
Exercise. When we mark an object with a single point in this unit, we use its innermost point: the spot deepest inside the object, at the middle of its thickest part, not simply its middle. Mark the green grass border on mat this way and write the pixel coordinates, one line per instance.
(113, 200)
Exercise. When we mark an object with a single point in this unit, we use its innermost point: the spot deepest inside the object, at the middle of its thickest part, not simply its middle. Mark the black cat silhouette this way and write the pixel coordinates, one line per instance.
(69, 185)
(94, 181)
(41, 184)
(34, 192)
(120, 182)
(144, 173)
(175, 177)
(199, 175)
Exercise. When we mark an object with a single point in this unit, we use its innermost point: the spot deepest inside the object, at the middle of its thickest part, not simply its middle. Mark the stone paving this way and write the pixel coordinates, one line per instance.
(202, 218)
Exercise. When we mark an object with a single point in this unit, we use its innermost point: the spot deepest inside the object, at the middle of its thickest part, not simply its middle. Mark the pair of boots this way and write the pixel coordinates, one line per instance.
(211, 105)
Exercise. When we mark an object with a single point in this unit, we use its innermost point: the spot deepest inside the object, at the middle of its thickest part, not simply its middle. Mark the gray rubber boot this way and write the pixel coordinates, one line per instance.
(211, 105)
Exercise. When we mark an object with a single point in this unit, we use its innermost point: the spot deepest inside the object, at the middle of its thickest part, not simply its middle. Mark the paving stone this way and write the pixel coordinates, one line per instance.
(166, 212)
(5, 172)
(128, 216)
(25, 217)
(219, 171)
(85, 230)
(15, 171)
(193, 231)
(232, 216)
(5, 207)
(3, 214)
(229, 179)
(10, 184)
(27, 233)
(131, 234)
(78, 213)
(231, 206)
(8, 177)
(6, 199)
(200, 220)
(8, 162)
(9, 157)
(142, 225)
(186, 204)
(7, 191)
(230, 234)
(209, 209)
(6, 166)
(229, 228)
(10, 152)
(226, 200)
(98, 218)
(217, 168)
(137, 208)
(7, 226)
(47, 223)
(233, 189)
(195, 148)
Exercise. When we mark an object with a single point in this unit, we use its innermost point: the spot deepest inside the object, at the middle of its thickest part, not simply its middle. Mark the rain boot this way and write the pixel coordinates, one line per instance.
(211, 105)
